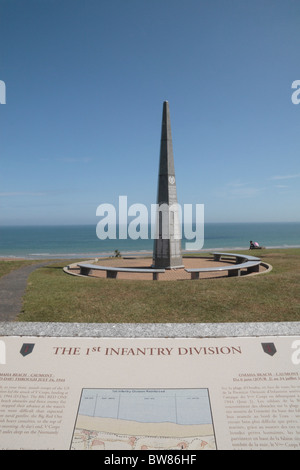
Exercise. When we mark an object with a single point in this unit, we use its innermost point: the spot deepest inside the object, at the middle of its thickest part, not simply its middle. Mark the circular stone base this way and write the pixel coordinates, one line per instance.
(168, 275)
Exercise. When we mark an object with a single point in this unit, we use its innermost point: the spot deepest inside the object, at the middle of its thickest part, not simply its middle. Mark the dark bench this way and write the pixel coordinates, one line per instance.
(250, 263)
(239, 258)
(233, 270)
(112, 272)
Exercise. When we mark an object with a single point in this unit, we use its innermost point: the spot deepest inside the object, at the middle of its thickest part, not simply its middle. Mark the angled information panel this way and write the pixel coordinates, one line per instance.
(149, 394)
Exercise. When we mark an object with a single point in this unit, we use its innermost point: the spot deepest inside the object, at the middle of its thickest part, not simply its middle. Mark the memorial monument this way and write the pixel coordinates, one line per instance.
(167, 244)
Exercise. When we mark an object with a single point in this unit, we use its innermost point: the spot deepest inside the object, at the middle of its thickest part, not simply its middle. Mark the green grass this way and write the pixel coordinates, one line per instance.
(53, 296)
(7, 266)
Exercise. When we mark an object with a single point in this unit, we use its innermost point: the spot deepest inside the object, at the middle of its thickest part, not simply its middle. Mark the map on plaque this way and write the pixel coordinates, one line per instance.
(149, 393)
(145, 419)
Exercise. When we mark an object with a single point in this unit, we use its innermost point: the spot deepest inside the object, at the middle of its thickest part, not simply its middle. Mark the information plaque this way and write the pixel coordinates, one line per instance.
(155, 394)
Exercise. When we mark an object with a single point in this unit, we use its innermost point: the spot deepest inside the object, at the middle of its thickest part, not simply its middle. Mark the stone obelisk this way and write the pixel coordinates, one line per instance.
(167, 244)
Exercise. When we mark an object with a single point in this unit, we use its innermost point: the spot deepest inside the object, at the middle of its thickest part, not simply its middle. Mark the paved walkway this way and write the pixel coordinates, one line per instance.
(12, 289)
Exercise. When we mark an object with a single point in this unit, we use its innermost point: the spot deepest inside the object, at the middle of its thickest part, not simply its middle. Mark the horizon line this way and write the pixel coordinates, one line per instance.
(78, 224)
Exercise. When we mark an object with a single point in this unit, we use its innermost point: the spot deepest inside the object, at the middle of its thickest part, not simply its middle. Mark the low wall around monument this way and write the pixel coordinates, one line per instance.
(159, 330)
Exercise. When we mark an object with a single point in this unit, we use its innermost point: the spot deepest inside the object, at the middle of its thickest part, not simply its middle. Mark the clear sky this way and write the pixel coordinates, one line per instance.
(85, 83)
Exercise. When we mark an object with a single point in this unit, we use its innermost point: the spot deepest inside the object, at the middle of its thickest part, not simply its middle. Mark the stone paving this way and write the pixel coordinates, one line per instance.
(12, 289)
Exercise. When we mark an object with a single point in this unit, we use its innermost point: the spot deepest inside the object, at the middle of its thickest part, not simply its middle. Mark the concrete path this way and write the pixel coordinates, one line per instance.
(12, 289)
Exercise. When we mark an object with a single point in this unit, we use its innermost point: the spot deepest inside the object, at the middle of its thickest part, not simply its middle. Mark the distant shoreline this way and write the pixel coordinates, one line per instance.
(70, 242)
(46, 256)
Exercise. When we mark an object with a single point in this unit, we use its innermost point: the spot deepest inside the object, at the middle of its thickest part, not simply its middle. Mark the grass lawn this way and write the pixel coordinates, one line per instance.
(53, 296)
(7, 266)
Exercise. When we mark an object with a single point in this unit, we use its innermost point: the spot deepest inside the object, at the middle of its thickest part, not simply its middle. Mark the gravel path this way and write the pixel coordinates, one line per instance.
(12, 289)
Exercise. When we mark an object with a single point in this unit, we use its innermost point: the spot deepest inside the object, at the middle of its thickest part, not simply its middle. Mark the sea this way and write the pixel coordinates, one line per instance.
(81, 241)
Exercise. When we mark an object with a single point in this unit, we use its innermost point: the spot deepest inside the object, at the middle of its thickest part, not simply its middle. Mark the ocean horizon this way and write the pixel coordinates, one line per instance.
(73, 241)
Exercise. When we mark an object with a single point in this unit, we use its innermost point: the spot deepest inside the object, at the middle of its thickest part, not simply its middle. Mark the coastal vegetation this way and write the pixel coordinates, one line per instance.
(54, 296)
(6, 266)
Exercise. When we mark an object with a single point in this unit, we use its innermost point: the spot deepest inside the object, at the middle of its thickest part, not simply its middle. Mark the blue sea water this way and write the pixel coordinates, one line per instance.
(44, 242)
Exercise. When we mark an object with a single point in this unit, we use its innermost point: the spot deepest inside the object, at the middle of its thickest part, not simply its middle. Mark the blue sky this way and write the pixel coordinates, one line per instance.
(85, 83)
